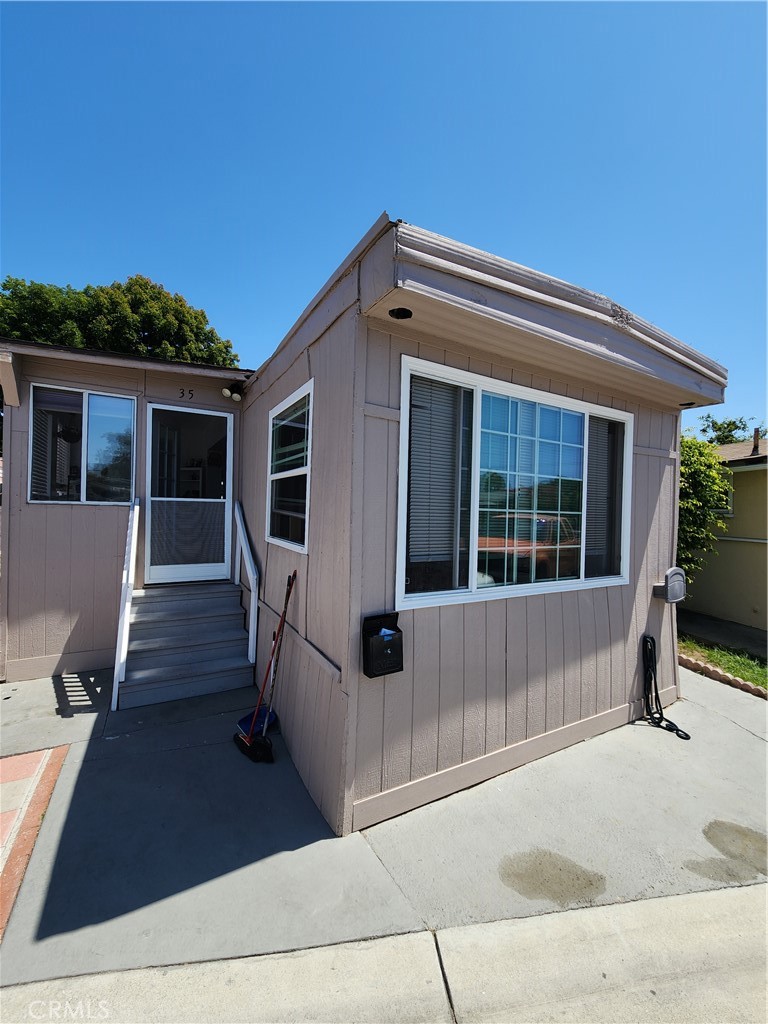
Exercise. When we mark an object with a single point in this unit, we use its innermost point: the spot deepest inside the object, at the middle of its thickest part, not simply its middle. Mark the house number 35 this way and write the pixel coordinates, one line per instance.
(187, 393)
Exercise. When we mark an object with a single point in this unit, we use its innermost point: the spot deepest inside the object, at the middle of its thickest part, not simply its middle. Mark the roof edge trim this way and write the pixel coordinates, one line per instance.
(89, 355)
(418, 246)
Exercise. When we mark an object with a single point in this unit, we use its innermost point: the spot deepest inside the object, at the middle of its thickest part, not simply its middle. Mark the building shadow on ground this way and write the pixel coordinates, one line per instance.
(158, 807)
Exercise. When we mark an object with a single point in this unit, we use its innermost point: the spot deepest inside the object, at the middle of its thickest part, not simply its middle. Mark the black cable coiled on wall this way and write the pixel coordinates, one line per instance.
(653, 709)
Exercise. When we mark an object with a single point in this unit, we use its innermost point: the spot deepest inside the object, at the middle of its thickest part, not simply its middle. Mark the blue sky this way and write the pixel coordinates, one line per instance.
(236, 152)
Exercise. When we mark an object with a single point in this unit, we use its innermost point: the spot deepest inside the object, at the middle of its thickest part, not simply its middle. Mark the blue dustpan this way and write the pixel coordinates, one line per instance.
(244, 725)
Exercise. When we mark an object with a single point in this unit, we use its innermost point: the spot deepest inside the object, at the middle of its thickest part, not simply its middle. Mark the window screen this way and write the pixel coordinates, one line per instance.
(289, 463)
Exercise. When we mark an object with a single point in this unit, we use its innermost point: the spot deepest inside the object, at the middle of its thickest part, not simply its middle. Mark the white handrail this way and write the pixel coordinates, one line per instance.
(126, 596)
(243, 548)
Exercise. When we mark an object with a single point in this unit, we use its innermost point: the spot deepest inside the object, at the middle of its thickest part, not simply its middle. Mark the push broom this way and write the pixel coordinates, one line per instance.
(249, 738)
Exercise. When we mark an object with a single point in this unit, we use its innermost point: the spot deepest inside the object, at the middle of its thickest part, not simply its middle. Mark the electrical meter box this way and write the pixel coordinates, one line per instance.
(673, 589)
(382, 645)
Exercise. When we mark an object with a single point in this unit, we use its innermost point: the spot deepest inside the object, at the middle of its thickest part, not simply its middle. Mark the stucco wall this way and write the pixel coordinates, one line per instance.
(732, 585)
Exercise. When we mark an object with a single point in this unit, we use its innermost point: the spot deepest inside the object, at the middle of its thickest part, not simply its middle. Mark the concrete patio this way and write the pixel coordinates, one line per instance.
(163, 845)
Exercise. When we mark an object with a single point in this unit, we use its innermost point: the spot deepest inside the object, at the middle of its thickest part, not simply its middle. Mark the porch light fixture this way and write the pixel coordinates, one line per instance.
(401, 313)
(687, 405)
(233, 391)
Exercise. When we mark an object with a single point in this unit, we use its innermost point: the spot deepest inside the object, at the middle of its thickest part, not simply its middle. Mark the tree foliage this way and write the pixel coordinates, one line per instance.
(728, 431)
(136, 317)
(705, 487)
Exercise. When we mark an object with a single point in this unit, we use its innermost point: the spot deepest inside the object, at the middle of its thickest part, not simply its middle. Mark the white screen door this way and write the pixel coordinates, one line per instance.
(189, 495)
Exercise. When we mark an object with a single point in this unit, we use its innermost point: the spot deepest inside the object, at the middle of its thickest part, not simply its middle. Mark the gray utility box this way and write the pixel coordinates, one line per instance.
(673, 589)
(382, 645)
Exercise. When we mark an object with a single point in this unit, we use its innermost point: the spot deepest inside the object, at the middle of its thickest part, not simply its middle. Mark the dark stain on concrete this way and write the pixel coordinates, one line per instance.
(744, 854)
(543, 875)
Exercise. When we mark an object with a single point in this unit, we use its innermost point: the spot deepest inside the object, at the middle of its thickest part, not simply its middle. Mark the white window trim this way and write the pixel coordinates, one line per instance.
(85, 392)
(305, 389)
(478, 383)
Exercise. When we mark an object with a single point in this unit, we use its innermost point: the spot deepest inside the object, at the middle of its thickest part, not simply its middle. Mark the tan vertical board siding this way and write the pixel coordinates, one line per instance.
(425, 638)
(30, 584)
(58, 558)
(603, 643)
(553, 604)
(516, 670)
(275, 563)
(398, 714)
(451, 717)
(331, 363)
(536, 722)
(588, 657)
(616, 630)
(334, 803)
(377, 370)
(495, 675)
(13, 498)
(571, 658)
(310, 695)
(81, 583)
(475, 681)
(312, 711)
(489, 675)
(373, 571)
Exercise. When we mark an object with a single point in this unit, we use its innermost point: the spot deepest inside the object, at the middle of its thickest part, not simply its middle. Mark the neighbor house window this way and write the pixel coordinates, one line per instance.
(290, 456)
(508, 490)
(82, 446)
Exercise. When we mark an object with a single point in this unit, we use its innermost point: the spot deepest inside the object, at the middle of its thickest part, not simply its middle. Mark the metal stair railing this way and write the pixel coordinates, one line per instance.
(126, 597)
(243, 551)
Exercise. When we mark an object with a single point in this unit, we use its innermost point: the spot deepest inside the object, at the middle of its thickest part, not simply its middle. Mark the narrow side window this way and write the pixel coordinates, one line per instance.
(290, 445)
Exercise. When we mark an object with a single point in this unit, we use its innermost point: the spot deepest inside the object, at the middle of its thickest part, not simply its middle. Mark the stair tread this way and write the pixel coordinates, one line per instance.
(180, 641)
(182, 682)
(167, 672)
(147, 615)
(186, 591)
(142, 696)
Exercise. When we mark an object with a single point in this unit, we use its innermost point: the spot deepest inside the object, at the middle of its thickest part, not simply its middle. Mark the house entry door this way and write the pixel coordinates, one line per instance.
(189, 495)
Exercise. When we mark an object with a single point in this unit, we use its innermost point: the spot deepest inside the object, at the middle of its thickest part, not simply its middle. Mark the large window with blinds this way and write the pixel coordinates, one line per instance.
(290, 457)
(81, 446)
(507, 490)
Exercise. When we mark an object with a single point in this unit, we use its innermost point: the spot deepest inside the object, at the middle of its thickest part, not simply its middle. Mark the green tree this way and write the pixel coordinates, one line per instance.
(728, 431)
(135, 317)
(705, 486)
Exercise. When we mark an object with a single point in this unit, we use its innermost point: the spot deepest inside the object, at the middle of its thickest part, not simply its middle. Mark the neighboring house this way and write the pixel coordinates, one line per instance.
(732, 585)
(484, 450)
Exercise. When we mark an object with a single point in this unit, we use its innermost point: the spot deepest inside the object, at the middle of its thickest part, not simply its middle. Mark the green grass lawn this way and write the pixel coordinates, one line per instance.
(750, 669)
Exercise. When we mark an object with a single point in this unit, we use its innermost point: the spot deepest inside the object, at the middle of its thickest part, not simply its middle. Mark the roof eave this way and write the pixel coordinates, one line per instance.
(417, 247)
(61, 352)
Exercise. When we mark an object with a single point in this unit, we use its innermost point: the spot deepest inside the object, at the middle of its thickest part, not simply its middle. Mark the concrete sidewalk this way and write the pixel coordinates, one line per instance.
(692, 958)
(163, 845)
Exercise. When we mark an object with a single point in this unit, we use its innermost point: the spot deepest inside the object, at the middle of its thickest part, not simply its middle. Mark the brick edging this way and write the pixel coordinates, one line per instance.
(21, 851)
(705, 669)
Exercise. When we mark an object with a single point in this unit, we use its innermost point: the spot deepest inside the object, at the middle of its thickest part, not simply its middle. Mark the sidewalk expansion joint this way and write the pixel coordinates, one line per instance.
(395, 881)
(448, 994)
